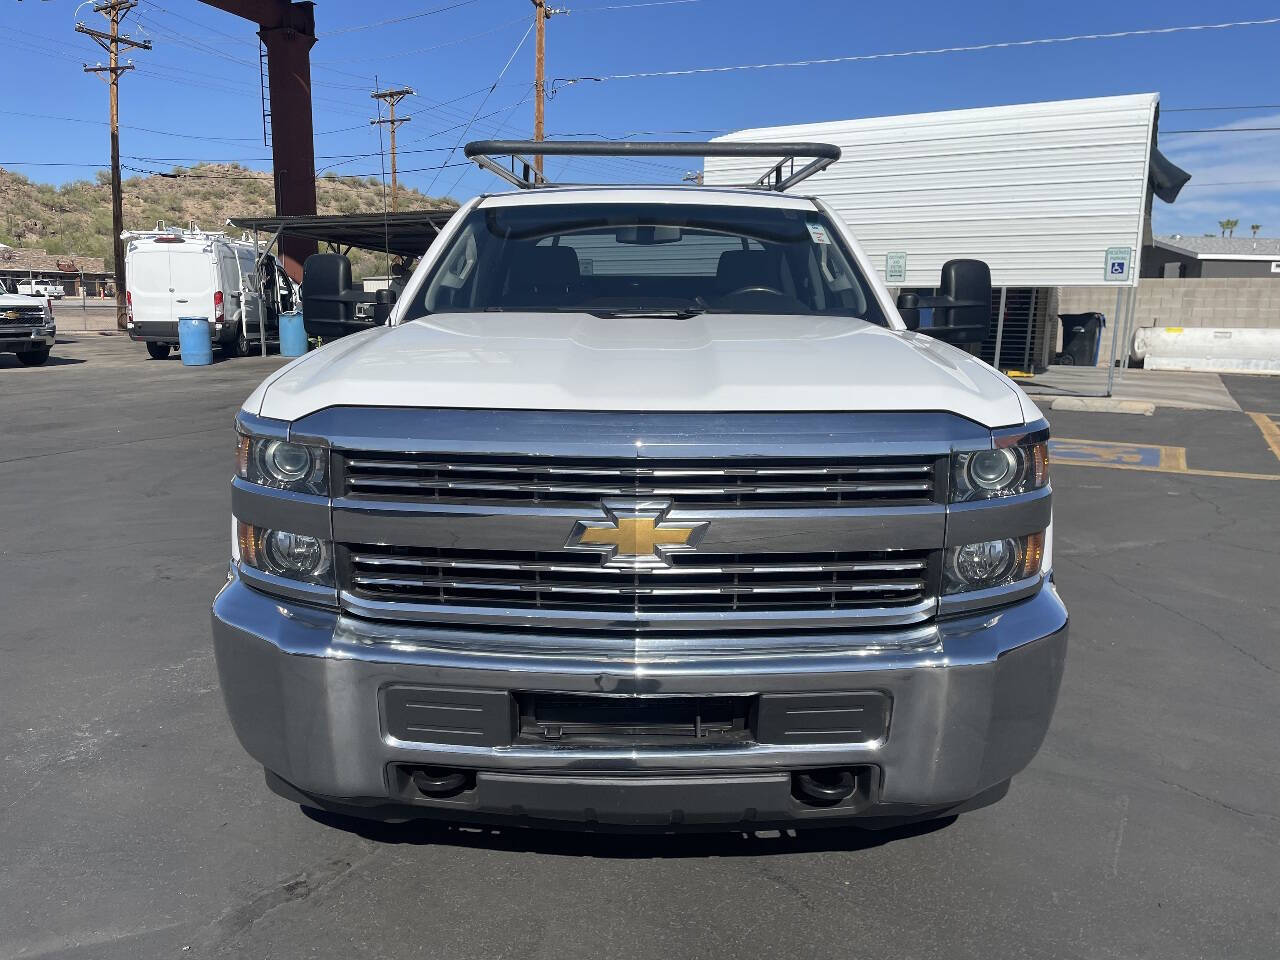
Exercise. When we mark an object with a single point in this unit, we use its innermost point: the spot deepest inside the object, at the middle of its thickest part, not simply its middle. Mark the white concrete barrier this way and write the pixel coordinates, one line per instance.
(1209, 349)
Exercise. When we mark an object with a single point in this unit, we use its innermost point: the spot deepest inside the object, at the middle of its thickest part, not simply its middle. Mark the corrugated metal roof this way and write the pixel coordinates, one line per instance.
(39, 260)
(1039, 191)
(1226, 248)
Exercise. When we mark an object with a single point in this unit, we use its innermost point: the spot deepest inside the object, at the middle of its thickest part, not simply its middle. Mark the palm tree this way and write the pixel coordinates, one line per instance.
(1222, 225)
(1254, 228)
(1231, 227)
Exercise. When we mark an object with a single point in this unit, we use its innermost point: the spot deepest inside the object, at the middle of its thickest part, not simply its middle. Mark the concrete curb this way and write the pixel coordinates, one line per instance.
(1143, 408)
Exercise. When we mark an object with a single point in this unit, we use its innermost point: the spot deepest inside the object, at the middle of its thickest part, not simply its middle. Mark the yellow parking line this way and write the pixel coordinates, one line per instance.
(1270, 432)
(1174, 459)
(1184, 473)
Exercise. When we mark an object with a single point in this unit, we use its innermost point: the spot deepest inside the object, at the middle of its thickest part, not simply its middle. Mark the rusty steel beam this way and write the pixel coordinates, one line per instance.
(288, 30)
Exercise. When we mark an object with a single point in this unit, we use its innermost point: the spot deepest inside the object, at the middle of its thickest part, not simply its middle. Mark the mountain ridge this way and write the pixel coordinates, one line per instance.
(75, 218)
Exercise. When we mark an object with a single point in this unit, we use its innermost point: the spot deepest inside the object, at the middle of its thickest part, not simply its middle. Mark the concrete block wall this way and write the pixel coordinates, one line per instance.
(1248, 302)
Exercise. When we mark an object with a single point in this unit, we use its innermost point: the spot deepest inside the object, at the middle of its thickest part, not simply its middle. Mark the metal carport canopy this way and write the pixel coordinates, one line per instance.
(407, 234)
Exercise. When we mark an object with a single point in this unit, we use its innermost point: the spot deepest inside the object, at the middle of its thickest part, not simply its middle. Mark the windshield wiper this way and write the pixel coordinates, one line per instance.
(657, 313)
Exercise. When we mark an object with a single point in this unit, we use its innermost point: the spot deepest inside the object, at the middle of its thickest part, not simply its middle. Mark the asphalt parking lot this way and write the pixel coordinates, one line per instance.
(135, 826)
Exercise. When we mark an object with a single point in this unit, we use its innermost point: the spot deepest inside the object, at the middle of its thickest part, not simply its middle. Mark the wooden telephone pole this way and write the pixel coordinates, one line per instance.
(114, 11)
(392, 97)
(542, 13)
(540, 78)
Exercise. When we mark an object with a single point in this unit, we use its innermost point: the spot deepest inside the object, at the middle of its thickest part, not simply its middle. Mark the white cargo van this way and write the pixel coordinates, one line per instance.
(177, 273)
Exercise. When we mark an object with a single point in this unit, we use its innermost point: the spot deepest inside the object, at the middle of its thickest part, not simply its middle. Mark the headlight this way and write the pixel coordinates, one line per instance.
(281, 464)
(992, 563)
(295, 556)
(1003, 472)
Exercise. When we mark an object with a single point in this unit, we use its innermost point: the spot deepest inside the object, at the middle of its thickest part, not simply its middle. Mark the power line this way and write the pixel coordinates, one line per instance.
(201, 26)
(1166, 133)
(46, 163)
(627, 135)
(125, 126)
(264, 176)
(500, 124)
(384, 23)
(1258, 106)
(492, 87)
(1231, 183)
(437, 46)
(632, 6)
(972, 48)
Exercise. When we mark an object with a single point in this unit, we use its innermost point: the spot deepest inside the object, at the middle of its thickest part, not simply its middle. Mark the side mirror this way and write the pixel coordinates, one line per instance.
(962, 308)
(909, 310)
(329, 299)
(383, 301)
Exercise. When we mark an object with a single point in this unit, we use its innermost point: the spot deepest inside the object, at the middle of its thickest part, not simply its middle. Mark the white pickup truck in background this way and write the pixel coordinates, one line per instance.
(41, 287)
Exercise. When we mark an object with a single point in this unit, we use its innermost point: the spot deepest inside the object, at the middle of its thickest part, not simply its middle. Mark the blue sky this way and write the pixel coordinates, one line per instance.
(200, 83)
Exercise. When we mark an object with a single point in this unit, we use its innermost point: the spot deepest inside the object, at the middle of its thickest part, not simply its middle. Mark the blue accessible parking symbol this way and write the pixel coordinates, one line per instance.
(1118, 260)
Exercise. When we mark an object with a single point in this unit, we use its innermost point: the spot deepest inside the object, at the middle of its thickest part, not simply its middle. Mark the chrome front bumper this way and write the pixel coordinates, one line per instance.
(304, 686)
(14, 338)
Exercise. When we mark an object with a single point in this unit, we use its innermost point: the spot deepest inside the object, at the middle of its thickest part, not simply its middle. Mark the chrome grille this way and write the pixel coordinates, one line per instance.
(561, 580)
(26, 316)
(704, 483)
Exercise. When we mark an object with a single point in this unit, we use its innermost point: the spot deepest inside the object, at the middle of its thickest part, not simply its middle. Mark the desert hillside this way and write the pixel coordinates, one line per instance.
(76, 217)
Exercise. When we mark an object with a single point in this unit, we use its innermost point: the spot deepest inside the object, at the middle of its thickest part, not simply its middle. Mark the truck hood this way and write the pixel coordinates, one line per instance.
(574, 361)
(20, 300)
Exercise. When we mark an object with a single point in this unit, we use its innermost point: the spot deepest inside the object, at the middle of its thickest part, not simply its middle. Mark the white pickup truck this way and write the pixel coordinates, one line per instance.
(26, 325)
(647, 508)
(41, 287)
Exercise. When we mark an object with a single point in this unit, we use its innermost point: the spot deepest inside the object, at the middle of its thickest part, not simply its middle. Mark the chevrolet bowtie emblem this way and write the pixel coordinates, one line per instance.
(12, 315)
(636, 534)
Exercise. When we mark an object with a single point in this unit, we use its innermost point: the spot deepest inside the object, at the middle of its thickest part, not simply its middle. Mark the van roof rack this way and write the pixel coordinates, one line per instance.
(177, 234)
(779, 177)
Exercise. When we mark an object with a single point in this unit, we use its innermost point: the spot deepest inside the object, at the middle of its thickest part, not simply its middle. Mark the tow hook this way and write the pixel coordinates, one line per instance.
(439, 781)
(823, 788)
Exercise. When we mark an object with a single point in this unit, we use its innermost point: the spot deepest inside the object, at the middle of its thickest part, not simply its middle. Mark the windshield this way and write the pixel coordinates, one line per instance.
(647, 259)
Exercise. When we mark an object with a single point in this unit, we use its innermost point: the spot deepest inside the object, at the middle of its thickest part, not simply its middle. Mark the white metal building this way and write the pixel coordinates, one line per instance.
(1050, 195)
(1039, 191)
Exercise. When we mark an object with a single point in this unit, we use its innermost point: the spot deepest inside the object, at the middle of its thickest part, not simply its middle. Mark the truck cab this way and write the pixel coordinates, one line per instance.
(647, 508)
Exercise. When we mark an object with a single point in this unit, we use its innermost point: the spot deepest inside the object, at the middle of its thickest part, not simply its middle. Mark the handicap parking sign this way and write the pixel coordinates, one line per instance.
(1117, 264)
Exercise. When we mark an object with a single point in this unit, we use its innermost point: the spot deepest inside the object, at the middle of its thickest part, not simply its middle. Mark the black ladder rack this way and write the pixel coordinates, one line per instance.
(782, 175)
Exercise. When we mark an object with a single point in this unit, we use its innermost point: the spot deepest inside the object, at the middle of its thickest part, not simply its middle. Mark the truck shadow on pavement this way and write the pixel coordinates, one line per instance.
(626, 845)
(8, 360)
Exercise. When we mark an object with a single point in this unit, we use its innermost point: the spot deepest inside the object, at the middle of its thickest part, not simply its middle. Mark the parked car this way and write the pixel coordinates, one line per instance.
(177, 273)
(26, 325)
(41, 288)
(648, 508)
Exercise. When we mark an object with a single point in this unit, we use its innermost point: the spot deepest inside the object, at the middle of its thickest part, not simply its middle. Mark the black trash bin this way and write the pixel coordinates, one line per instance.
(1081, 338)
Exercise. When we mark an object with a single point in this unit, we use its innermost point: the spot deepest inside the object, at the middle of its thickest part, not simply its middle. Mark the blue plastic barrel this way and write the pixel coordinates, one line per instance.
(293, 335)
(194, 341)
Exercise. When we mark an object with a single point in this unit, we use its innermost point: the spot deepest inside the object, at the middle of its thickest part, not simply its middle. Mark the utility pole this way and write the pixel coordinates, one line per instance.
(542, 13)
(392, 97)
(114, 11)
(540, 79)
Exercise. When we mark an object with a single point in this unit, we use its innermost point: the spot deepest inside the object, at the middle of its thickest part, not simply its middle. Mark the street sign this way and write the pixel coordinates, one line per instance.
(895, 268)
(1118, 262)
